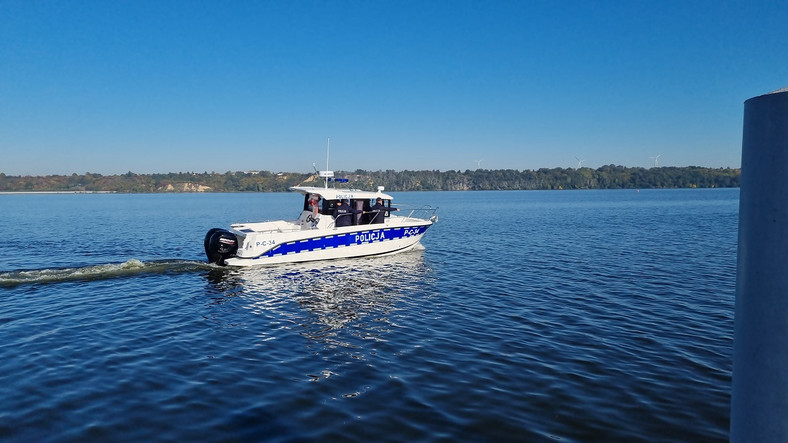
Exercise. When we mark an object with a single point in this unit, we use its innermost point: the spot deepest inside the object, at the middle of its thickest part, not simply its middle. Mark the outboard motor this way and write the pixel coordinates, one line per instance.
(220, 244)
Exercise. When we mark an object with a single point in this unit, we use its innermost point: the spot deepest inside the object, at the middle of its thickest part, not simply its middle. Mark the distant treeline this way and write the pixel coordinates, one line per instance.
(606, 177)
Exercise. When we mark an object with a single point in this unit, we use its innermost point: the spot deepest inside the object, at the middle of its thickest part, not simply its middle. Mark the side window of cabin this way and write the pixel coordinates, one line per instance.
(328, 207)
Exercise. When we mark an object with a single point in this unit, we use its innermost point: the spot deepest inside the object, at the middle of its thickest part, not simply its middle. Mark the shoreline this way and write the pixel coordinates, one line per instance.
(56, 192)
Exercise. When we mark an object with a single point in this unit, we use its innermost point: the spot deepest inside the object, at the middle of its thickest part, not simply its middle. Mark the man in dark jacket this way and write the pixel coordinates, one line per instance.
(379, 211)
(343, 214)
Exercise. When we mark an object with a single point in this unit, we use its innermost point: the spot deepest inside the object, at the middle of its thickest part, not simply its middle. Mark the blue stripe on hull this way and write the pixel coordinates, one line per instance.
(342, 240)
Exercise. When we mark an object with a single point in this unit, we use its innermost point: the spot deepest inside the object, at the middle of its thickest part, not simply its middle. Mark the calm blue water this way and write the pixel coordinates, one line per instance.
(529, 316)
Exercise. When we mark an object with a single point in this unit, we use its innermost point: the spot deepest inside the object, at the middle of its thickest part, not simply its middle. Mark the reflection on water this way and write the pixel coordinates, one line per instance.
(572, 327)
(337, 303)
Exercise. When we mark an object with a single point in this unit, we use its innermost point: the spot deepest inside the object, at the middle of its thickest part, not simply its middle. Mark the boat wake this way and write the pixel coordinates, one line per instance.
(129, 268)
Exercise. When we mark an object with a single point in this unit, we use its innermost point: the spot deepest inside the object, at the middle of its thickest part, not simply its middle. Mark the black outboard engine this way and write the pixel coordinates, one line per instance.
(220, 244)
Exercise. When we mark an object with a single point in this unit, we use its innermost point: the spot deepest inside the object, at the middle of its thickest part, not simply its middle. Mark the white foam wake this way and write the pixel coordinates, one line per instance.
(99, 272)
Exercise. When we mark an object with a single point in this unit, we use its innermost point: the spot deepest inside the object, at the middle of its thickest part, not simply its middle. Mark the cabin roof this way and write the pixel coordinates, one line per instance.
(340, 194)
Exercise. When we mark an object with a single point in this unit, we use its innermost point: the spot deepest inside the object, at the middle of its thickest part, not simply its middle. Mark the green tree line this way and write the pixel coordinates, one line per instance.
(606, 177)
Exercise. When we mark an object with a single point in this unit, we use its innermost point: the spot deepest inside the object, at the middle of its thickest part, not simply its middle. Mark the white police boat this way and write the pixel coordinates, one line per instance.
(315, 234)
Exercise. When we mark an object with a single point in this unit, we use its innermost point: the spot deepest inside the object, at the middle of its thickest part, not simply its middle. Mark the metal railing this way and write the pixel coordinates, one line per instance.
(421, 212)
(425, 212)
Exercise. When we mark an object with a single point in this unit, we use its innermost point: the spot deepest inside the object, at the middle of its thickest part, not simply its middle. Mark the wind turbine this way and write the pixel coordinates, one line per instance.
(478, 164)
(656, 160)
(579, 163)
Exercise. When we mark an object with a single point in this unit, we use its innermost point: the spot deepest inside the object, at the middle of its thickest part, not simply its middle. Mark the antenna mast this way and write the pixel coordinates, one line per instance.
(327, 174)
(328, 149)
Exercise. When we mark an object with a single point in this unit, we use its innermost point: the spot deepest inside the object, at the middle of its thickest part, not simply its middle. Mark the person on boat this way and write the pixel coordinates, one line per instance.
(314, 203)
(343, 214)
(379, 210)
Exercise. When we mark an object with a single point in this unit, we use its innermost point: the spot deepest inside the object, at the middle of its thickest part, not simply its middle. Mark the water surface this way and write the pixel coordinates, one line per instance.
(528, 316)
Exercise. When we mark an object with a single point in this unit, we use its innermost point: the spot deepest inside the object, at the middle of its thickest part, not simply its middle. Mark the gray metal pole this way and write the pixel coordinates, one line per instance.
(759, 404)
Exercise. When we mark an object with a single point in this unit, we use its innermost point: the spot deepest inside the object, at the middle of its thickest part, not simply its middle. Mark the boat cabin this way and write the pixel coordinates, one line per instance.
(324, 200)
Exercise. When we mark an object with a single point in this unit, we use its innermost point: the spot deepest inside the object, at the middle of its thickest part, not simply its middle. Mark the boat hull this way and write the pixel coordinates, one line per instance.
(332, 244)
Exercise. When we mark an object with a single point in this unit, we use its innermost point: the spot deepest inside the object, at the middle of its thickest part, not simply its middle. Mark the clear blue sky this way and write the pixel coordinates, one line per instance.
(178, 86)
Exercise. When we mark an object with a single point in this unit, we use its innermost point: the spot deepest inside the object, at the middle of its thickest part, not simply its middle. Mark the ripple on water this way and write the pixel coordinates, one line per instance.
(570, 319)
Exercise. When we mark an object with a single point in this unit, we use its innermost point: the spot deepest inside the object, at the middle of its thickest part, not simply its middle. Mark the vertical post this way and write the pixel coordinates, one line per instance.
(328, 148)
(759, 403)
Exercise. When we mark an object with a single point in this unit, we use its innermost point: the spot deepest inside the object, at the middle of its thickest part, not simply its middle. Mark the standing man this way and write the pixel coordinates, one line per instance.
(343, 214)
(314, 204)
(379, 211)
